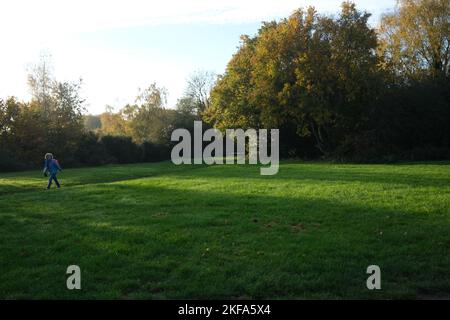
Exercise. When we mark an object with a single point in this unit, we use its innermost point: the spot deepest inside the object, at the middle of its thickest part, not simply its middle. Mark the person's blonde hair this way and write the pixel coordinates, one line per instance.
(48, 156)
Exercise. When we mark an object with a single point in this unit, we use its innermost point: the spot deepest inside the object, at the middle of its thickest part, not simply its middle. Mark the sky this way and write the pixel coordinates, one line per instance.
(117, 47)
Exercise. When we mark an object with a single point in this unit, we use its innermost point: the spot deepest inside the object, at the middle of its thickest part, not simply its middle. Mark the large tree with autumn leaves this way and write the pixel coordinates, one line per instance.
(308, 71)
(331, 80)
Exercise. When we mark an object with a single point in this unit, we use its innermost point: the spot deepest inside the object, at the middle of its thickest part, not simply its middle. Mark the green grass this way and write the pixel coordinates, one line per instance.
(162, 231)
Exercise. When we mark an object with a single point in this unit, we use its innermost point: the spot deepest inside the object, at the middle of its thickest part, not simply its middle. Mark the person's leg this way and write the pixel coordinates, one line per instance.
(56, 181)
(50, 182)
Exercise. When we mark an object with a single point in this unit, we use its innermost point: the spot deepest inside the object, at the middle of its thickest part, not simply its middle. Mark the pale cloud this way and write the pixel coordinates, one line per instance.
(54, 16)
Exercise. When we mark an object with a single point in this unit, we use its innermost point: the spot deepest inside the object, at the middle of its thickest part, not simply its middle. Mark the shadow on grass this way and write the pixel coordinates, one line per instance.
(144, 241)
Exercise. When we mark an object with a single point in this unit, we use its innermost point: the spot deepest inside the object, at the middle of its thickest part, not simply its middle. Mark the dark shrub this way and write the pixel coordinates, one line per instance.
(123, 149)
(154, 152)
(91, 151)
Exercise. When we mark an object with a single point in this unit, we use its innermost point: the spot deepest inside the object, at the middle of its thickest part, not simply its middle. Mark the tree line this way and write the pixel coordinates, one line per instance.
(339, 89)
(55, 121)
(336, 88)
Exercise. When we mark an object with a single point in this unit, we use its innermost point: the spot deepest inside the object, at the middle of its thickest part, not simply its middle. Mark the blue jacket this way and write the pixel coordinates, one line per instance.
(52, 166)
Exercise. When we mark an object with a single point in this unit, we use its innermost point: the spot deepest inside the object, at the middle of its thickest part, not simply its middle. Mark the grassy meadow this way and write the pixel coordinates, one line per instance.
(159, 231)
